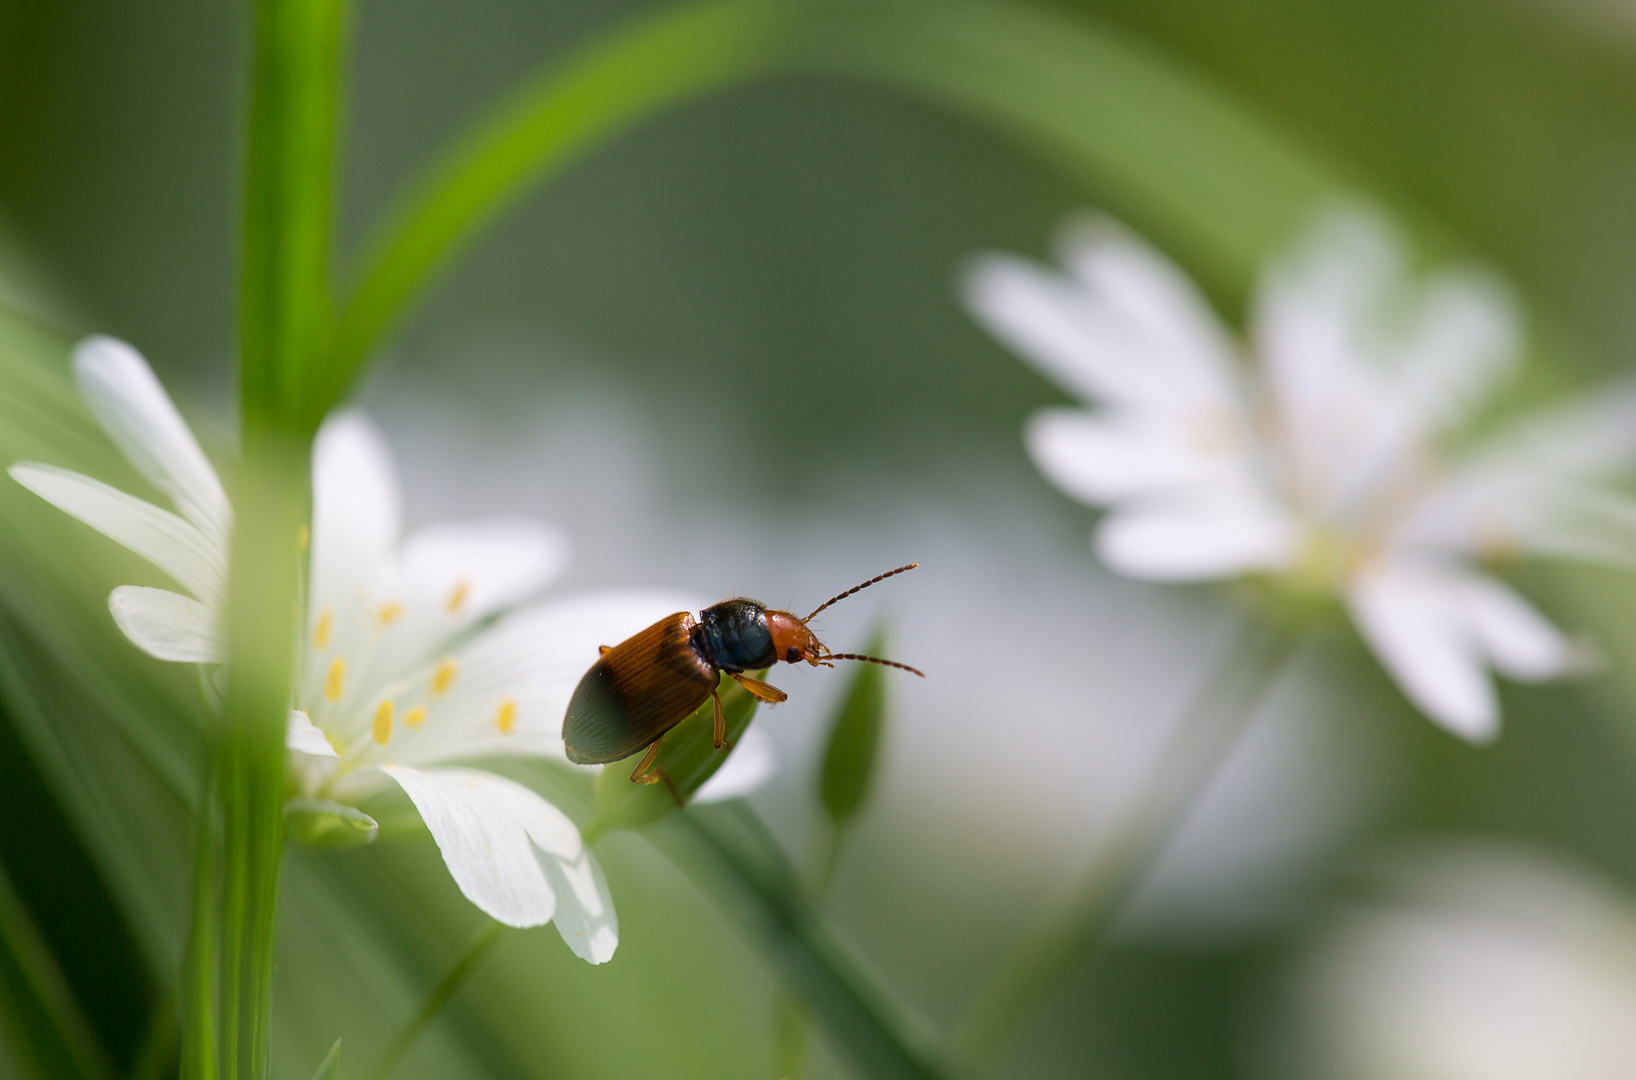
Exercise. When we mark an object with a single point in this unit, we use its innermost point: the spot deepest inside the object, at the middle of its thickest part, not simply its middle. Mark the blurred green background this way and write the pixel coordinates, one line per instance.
(726, 353)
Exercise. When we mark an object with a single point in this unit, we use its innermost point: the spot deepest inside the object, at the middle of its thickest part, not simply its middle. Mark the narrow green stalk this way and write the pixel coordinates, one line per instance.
(284, 308)
(199, 1035)
(792, 1032)
(429, 1009)
(728, 849)
(272, 507)
(1079, 912)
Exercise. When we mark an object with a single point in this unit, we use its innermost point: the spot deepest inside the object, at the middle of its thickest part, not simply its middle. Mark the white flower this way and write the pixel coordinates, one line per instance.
(1323, 462)
(1469, 962)
(414, 653)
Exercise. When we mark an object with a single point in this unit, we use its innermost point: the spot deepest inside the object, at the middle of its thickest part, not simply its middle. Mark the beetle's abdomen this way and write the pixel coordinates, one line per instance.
(735, 636)
(637, 691)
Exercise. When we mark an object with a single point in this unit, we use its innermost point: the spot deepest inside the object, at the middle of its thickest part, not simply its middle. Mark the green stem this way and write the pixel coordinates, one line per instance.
(284, 308)
(729, 850)
(1080, 911)
(199, 1034)
(436, 1000)
(792, 1032)
(272, 507)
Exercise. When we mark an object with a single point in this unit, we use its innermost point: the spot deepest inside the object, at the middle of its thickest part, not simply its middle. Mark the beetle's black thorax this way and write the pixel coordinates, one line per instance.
(733, 635)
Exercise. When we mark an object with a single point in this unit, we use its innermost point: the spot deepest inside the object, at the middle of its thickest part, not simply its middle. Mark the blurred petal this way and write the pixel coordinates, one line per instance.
(304, 738)
(514, 855)
(1098, 459)
(1208, 534)
(1518, 639)
(1415, 619)
(166, 625)
(356, 516)
(751, 764)
(1131, 330)
(164, 539)
(468, 570)
(127, 400)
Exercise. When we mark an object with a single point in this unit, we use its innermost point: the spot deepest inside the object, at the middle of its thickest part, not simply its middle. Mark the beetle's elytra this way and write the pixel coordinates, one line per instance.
(651, 681)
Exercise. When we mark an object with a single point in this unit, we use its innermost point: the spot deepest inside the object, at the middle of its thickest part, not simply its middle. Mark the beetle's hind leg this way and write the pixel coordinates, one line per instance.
(641, 774)
(721, 720)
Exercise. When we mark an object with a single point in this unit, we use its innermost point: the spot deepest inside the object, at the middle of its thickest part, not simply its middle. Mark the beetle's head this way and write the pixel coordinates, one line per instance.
(792, 641)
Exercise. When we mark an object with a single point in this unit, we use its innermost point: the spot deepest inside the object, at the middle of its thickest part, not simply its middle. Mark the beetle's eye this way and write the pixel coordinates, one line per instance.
(792, 655)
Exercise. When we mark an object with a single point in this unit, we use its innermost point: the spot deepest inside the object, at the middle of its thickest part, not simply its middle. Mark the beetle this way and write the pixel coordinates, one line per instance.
(653, 680)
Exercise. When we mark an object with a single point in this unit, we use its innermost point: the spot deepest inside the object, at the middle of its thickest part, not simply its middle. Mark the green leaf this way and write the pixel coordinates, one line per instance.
(330, 1067)
(328, 824)
(687, 758)
(854, 739)
(1148, 138)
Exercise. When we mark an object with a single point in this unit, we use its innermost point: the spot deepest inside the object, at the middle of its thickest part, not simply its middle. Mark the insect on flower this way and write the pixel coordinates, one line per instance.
(650, 682)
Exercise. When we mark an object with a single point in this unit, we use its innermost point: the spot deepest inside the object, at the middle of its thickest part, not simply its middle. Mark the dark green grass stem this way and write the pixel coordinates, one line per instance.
(429, 1009)
(1079, 912)
(729, 850)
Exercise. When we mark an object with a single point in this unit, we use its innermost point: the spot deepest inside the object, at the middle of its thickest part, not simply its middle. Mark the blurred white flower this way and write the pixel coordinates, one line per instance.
(414, 655)
(1323, 461)
(1469, 962)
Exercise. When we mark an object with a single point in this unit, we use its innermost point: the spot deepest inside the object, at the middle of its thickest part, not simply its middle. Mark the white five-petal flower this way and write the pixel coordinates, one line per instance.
(415, 652)
(1322, 462)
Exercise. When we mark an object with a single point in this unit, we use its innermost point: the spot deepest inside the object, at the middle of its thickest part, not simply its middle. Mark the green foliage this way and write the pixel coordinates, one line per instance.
(40, 1023)
(854, 739)
(687, 758)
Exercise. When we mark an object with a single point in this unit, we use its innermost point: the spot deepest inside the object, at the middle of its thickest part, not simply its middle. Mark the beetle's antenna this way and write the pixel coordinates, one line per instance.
(860, 588)
(875, 660)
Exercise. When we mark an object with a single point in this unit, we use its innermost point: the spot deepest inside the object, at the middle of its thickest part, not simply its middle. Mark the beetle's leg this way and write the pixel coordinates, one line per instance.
(640, 774)
(721, 721)
(765, 691)
(604, 650)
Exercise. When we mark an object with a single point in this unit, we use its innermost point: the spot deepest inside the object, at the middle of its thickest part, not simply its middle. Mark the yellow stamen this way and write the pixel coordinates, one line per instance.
(383, 723)
(506, 719)
(457, 596)
(390, 612)
(416, 716)
(320, 633)
(303, 537)
(443, 677)
(336, 680)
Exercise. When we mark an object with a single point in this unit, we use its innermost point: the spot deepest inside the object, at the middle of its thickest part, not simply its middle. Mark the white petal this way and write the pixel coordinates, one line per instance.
(164, 539)
(166, 625)
(751, 764)
(1416, 621)
(304, 737)
(1518, 639)
(1216, 533)
(515, 855)
(1101, 458)
(1122, 337)
(127, 400)
(468, 570)
(356, 516)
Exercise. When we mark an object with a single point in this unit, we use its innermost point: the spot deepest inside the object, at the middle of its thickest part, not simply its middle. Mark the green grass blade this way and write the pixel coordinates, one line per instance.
(1153, 142)
(728, 849)
(549, 123)
(43, 1024)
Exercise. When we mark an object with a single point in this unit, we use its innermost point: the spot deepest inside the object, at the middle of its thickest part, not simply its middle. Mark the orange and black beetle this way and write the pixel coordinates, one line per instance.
(649, 683)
